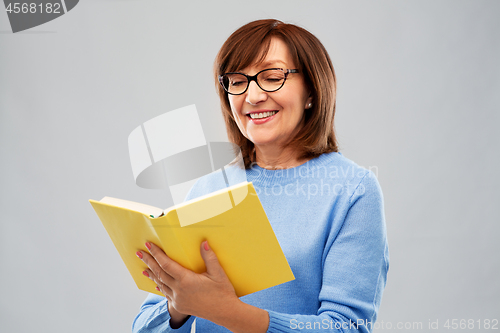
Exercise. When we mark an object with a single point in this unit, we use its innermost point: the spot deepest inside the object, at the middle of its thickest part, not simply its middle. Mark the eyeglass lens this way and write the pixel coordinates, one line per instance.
(268, 80)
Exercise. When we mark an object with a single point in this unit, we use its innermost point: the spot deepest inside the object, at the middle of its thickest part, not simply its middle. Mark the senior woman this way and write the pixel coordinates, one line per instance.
(277, 88)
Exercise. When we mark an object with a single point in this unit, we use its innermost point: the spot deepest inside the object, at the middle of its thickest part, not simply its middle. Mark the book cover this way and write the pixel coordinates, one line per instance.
(232, 220)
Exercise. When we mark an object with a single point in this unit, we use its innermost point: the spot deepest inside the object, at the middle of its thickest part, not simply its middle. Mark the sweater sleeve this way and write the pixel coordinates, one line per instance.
(153, 317)
(355, 264)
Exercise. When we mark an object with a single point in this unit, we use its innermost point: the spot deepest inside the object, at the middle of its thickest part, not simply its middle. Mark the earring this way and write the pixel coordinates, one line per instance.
(309, 105)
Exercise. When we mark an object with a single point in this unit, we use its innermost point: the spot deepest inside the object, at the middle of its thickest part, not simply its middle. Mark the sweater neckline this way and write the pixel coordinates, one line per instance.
(265, 177)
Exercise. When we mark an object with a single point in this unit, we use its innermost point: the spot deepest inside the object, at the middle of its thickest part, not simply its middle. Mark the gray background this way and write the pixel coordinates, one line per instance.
(418, 102)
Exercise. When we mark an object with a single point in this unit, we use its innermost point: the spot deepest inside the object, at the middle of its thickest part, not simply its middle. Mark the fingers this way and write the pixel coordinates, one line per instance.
(155, 271)
(211, 262)
(165, 290)
(160, 286)
(169, 266)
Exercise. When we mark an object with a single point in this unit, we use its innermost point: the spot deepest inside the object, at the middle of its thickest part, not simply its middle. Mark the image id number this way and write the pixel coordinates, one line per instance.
(33, 8)
(471, 324)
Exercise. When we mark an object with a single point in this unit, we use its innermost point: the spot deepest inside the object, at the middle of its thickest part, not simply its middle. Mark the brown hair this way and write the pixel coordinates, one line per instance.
(250, 44)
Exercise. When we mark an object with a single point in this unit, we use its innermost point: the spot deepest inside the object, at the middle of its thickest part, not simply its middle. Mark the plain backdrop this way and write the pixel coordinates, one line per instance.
(418, 103)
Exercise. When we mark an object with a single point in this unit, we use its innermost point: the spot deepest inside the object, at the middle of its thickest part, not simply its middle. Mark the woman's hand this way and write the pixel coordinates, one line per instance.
(207, 295)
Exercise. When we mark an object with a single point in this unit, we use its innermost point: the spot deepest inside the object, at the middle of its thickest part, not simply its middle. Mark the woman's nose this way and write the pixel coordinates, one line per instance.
(255, 95)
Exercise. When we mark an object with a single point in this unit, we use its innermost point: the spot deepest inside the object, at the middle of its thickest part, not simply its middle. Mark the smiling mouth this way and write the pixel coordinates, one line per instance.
(261, 115)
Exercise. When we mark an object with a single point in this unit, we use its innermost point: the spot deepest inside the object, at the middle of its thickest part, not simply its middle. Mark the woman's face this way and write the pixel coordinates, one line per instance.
(283, 110)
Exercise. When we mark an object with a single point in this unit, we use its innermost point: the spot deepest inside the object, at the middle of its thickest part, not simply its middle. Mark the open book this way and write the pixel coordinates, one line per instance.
(232, 220)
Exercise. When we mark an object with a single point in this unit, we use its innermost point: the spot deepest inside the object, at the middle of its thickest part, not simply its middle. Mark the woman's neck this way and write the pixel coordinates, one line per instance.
(273, 158)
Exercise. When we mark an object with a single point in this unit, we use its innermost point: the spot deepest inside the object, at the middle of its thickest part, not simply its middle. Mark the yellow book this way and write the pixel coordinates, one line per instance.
(232, 220)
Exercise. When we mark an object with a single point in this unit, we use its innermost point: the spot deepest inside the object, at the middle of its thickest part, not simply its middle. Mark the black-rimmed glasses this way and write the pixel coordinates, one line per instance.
(269, 80)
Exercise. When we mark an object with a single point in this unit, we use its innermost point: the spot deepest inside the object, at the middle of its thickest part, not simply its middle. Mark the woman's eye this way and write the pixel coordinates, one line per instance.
(273, 79)
(237, 83)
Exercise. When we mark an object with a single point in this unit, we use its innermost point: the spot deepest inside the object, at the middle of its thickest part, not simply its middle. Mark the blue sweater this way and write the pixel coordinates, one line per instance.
(329, 220)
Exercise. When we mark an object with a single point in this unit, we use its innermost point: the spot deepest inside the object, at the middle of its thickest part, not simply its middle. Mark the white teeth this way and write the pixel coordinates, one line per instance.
(262, 114)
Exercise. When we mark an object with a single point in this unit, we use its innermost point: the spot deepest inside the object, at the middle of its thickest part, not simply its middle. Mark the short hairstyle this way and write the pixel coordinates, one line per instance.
(250, 44)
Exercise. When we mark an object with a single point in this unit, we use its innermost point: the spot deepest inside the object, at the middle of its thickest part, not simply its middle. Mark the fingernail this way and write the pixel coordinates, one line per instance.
(205, 246)
(145, 273)
(157, 288)
(139, 254)
(148, 245)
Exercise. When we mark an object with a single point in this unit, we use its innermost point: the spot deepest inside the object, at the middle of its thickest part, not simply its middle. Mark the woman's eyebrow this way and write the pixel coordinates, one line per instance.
(272, 62)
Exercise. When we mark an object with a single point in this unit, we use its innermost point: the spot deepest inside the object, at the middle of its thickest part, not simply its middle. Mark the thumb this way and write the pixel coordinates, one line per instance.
(211, 262)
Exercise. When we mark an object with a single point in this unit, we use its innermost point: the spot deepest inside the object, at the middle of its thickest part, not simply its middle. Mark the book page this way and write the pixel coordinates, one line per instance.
(138, 207)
